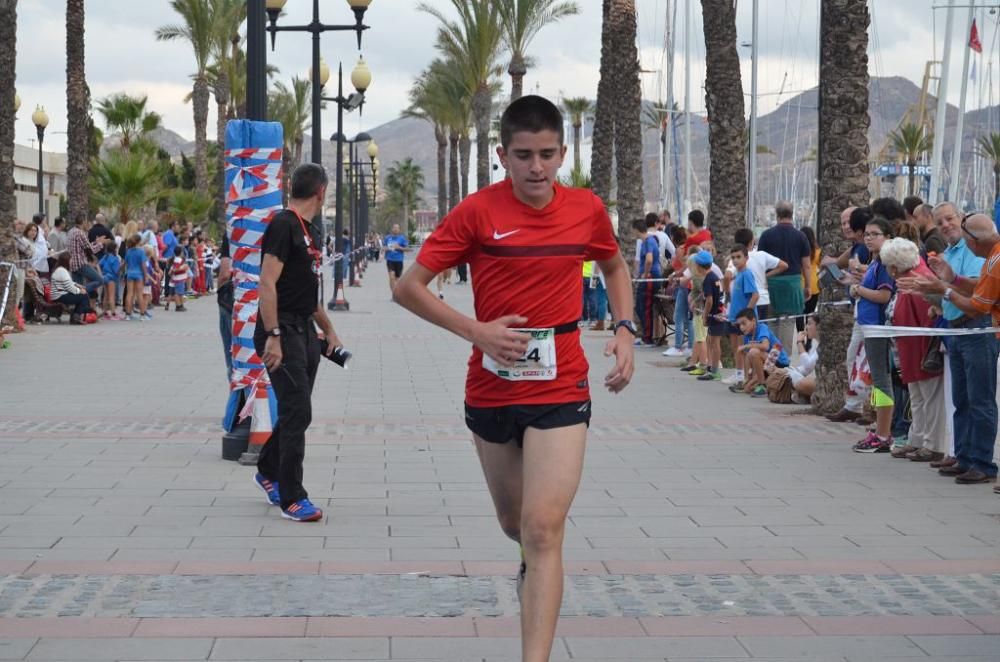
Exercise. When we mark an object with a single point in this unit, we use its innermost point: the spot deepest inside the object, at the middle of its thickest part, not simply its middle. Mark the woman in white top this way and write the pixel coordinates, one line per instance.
(803, 374)
(68, 293)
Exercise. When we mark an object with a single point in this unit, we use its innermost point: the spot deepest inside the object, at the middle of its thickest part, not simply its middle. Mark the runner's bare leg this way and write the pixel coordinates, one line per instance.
(553, 463)
(502, 466)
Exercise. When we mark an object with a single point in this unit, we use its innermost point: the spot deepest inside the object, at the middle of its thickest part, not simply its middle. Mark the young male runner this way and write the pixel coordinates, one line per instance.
(527, 393)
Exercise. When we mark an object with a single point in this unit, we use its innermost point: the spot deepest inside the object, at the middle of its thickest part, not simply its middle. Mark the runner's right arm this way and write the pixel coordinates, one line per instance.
(494, 338)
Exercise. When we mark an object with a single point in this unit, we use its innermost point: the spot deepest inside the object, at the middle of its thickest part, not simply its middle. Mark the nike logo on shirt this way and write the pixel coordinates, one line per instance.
(497, 236)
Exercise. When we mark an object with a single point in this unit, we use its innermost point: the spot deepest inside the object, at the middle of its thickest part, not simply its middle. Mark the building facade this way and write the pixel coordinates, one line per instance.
(26, 181)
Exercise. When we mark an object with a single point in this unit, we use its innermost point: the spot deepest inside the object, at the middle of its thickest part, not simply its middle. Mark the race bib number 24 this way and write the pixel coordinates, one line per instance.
(538, 362)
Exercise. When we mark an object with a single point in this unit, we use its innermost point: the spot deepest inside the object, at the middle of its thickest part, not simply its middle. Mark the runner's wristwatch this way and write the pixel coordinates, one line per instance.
(627, 324)
(276, 331)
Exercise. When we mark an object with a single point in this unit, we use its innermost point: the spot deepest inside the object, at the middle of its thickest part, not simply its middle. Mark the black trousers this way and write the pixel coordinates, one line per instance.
(79, 302)
(282, 456)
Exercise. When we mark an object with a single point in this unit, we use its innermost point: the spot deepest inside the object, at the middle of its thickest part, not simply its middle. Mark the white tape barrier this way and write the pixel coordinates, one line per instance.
(877, 331)
(6, 289)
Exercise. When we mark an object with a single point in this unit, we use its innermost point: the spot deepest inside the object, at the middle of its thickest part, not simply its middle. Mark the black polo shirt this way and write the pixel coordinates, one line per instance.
(298, 284)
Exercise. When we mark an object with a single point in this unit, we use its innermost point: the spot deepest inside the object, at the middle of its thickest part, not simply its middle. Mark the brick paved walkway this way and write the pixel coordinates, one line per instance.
(708, 526)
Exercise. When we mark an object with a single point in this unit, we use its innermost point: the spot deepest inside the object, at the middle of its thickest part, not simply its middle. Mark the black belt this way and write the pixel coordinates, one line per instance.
(965, 322)
(568, 327)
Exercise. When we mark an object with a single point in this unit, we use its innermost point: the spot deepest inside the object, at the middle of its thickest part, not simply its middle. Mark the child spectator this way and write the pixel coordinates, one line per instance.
(111, 266)
(211, 264)
(135, 274)
(743, 294)
(178, 278)
(692, 281)
(711, 315)
(760, 348)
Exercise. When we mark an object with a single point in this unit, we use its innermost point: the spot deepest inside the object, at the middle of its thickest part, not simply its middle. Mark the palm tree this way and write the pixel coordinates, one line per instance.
(290, 106)
(521, 21)
(627, 109)
(8, 203)
(405, 180)
(127, 116)
(188, 205)
(726, 124)
(229, 16)
(198, 28)
(126, 181)
(842, 171)
(428, 101)
(473, 43)
(989, 148)
(910, 141)
(577, 108)
(77, 112)
(603, 137)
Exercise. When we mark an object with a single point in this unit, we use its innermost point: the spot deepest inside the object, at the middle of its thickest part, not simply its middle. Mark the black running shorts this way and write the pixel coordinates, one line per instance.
(394, 268)
(502, 424)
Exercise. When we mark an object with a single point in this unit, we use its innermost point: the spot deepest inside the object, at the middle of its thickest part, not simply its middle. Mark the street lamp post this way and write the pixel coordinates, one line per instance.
(361, 78)
(317, 28)
(41, 120)
(358, 211)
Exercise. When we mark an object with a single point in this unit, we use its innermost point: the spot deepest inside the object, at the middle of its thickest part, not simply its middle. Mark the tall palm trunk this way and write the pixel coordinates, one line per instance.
(8, 203)
(603, 139)
(199, 100)
(628, 109)
(77, 112)
(726, 123)
(465, 165)
(221, 92)
(454, 187)
(842, 171)
(442, 170)
(912, 166)
(482, 105)
(517, 69)
(577, 129)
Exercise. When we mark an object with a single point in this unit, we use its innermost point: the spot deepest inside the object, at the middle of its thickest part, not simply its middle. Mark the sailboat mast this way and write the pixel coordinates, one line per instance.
(940, 123)
(752, 179)
(688, 198)
(956, 152)
(665, 137)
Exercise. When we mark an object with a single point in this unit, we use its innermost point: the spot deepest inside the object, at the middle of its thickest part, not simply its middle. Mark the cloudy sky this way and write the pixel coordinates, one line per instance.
(122, 54)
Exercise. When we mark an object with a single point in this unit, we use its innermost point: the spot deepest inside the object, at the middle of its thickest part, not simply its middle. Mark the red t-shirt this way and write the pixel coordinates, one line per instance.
(526, 262)
(697, 239)
(913, 310)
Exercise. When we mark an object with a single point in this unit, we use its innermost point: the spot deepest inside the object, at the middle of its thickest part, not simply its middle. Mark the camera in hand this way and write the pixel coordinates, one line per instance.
(340, 356)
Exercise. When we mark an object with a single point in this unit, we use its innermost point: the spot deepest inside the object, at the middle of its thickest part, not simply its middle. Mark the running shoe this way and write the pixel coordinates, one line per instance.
(736, 388)
(759, 391)
(689, 367)
(146, 317)
(269, 488)
(673, 351)
(873, 444)
(128, 318)
(302, 511)
(710, 376)
(733, 379)
(698, 371)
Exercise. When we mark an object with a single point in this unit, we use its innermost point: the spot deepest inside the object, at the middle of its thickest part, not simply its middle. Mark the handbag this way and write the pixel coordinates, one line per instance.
(779, 387)
(933, 360)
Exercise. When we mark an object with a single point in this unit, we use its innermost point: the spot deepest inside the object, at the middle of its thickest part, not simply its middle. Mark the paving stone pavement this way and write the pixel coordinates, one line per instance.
(708, 526)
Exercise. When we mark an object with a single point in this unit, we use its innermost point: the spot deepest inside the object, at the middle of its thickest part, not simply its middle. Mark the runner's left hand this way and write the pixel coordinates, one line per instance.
(621, 347)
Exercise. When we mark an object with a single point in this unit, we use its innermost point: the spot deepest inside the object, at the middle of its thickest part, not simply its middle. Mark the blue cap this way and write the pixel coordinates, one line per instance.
(703, 259)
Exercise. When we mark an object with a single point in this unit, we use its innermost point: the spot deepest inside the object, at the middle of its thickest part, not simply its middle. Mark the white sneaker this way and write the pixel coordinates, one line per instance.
(673, 351)
(731, 379)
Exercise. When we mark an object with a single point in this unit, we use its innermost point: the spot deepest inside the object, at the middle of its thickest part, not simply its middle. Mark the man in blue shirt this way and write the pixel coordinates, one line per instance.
(395, 243)
(648, 269)
(758, 343)
(972, 358)
(743, 293)
(170, 242)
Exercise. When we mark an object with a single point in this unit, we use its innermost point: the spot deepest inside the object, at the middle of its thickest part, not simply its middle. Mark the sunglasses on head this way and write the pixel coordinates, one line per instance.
(965, 229)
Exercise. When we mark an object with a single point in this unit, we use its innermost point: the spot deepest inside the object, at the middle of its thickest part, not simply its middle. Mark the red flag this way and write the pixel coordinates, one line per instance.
(974, 42)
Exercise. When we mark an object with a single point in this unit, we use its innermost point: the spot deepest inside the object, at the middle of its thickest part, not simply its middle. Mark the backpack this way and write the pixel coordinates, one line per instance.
(779, 387)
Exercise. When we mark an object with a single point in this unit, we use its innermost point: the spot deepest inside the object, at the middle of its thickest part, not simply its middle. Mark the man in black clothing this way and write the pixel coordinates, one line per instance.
(286, 340)
(99, 231)
(787, 243)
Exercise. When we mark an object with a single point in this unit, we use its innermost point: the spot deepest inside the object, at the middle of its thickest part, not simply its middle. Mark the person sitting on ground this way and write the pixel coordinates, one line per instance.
(68, 293)
(803, 373)
(761, 348)
(928, 435)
